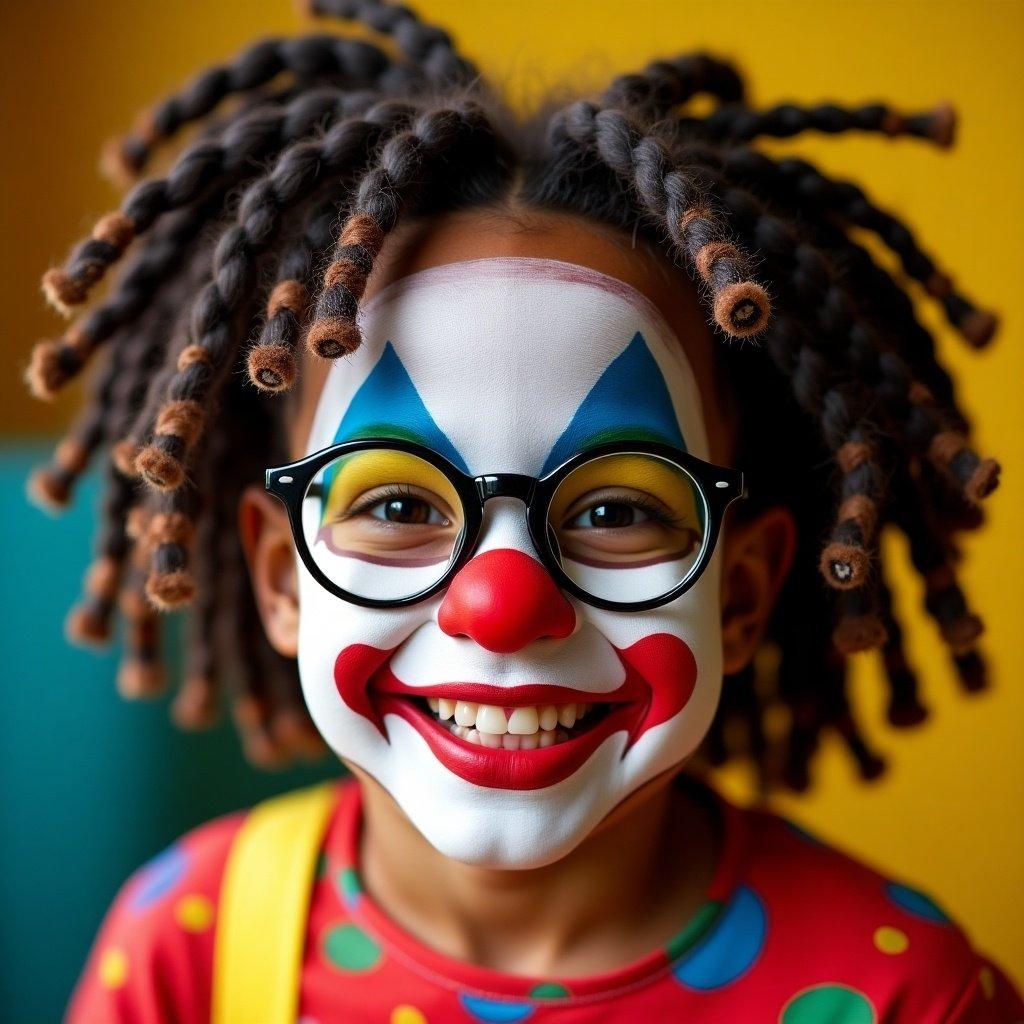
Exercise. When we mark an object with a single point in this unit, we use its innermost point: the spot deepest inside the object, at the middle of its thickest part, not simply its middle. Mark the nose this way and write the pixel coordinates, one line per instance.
(504, 600)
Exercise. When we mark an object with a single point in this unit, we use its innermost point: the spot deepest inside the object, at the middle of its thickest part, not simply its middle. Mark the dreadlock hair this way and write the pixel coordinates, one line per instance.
(257, 243)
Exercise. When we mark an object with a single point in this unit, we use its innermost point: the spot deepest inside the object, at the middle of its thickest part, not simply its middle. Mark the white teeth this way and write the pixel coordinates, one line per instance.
(490, 719)
(525, 728)
(523, 721)
(548, 716)
(542, 738)
(465, 713)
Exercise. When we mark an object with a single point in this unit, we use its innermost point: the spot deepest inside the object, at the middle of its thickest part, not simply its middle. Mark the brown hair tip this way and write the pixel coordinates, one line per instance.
(48, 491)
(170, 590)
(742, 309)
(272, 367)
(844, 566)
(984, 480)
(979, 327)
(857, 633)
(62, 291)
(138, 679)
(85, 627)
(333, 337)
(160, 470)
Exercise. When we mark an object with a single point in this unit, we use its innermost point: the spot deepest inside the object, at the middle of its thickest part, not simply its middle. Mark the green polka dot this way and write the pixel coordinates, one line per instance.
(349, 885)
(549, 990)
(828, 1004)
(695, 928)
(350, 948)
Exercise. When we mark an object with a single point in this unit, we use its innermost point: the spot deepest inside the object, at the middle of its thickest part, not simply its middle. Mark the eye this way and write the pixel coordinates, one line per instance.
(608, 515)
(407, 511)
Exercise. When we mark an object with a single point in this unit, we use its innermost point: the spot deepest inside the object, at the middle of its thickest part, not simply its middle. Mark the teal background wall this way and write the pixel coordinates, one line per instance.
(90, 786)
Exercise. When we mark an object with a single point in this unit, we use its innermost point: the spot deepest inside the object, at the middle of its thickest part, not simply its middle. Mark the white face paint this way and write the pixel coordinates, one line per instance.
(511, 366)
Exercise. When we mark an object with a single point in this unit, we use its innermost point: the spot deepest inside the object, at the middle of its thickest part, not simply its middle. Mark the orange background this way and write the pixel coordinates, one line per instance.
(949, 814)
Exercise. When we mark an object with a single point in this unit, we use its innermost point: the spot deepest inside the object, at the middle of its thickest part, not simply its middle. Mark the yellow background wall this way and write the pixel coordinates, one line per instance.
(949, 814)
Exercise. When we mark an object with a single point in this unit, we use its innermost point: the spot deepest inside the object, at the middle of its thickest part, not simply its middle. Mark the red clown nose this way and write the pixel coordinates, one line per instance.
(504, 600)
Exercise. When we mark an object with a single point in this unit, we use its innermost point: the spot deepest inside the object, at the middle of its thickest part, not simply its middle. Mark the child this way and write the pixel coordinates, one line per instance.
(493, 542)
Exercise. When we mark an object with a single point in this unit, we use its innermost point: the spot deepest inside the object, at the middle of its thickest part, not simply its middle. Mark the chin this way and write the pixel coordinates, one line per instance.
(514, 828)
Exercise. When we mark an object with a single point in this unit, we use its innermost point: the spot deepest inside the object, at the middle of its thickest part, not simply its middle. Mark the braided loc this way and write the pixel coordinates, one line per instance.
(346, 63)
(261, 211)
(271, 362)
(254, 251)
(430, 146)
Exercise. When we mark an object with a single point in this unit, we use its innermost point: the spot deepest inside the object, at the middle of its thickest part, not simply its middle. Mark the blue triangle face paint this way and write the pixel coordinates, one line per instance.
(630, 400)
(387, 404)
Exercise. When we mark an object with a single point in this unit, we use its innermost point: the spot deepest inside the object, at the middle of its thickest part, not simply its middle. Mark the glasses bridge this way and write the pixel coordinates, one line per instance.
(505, 485)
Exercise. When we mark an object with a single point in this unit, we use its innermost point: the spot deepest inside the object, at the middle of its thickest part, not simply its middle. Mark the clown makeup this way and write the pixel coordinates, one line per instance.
(506, 718)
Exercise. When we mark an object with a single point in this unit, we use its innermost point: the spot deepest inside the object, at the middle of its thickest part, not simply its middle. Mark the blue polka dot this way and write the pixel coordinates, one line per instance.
(159, 877)
(493, 1011)
(916, 903)
(730, 948)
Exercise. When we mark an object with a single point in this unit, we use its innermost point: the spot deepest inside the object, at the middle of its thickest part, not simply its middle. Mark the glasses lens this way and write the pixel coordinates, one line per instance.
(628, 527)
(382, 524)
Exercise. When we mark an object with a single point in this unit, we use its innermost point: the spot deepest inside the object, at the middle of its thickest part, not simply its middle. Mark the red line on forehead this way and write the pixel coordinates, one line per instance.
(515, 269)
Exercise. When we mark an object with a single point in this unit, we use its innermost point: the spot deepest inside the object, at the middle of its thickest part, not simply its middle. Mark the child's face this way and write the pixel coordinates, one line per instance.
(511, 365)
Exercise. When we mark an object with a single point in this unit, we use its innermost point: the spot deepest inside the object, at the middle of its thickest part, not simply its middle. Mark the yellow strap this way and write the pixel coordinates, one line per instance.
(263, 906)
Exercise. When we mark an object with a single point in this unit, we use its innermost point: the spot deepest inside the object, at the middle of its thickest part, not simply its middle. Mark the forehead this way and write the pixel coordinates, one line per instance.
(518, 360)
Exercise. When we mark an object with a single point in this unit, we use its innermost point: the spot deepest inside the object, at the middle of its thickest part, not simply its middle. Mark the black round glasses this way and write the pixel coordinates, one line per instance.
(384, 523)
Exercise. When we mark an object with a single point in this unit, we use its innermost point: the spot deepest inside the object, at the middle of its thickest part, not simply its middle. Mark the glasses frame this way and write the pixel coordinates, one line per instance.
(719, 486)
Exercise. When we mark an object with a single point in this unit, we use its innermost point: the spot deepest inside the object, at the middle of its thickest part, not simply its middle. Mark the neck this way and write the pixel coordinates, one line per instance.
(622, 892)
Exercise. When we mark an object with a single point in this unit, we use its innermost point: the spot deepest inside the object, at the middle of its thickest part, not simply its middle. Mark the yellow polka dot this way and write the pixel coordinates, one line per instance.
(194, 913)
(113, 967)
(988, 982)
(406, 1014)
(891, 940)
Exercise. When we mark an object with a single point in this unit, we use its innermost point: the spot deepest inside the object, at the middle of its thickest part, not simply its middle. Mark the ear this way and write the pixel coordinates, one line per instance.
(757, 557)
(267, 542)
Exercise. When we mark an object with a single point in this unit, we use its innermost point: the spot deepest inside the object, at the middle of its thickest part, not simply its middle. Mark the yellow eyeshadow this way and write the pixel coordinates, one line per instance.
(365, 471)
(633, 472)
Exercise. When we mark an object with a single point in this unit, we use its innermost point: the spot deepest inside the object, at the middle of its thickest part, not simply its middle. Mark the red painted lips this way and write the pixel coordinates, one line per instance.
(660, 676)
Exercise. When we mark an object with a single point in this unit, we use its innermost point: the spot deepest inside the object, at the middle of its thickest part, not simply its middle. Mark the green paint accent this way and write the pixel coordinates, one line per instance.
(549, 990)
(695, 930)
(349, 884)
(626, 434)
(350, 948)
(390, 432)
(829, 1004)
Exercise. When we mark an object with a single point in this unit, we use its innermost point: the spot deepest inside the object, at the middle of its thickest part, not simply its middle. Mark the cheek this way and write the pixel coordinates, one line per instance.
(695, 618)
(327, 625)
(678, 649)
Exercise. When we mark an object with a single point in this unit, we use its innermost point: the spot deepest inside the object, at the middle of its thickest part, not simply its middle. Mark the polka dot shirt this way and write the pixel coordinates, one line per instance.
(791, 932)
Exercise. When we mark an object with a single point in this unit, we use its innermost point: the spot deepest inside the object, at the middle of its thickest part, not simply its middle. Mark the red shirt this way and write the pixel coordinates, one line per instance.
(792, 932)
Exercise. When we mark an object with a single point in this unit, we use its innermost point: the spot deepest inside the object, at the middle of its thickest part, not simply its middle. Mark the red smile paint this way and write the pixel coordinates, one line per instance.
(660, 674)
